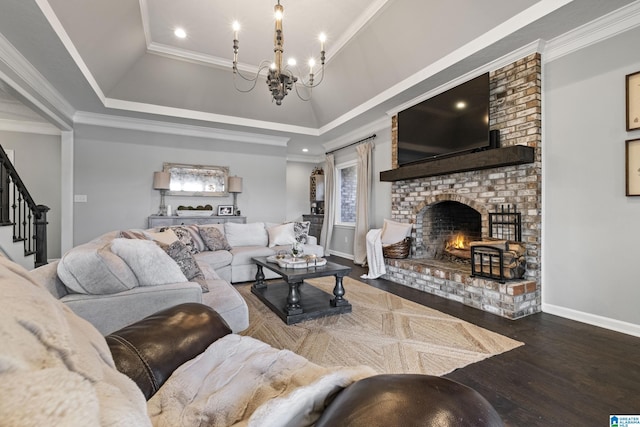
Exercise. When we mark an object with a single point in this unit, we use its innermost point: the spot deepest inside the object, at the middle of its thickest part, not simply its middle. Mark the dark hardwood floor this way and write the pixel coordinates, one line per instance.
(567, 374)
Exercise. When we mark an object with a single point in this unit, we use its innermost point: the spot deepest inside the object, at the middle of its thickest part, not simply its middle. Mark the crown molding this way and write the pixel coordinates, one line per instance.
(208, 117)
(87, 118)
(23, 126)
(305, 159)
(607, 26)
(19, 65)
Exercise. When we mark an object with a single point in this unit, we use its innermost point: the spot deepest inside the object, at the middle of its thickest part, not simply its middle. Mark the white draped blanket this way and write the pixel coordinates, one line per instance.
(375, 259)
(240, 381)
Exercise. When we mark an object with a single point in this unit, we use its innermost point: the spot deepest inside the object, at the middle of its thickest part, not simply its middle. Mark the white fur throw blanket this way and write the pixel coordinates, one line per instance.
(55, 368)
(240, 381)
(375, 258)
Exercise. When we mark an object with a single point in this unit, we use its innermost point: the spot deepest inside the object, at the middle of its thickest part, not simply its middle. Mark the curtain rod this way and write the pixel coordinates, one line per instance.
(353, 143)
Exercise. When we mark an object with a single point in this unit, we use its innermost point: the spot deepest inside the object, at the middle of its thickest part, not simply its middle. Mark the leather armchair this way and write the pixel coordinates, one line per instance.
(150, 350)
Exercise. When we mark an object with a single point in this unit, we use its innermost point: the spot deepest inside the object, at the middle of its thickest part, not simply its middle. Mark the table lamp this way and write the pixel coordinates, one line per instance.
(235, 187)
(161, 182)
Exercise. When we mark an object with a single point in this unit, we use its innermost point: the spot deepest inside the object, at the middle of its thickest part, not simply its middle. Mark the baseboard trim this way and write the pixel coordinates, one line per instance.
(593, 319)
(340, 254)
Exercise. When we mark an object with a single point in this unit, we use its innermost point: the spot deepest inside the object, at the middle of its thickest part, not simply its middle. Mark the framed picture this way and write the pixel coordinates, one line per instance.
(633, 167)
(225, 210)
(633, 101)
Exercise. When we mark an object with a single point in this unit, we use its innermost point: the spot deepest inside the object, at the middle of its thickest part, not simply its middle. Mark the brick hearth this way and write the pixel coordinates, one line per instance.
(515, 110)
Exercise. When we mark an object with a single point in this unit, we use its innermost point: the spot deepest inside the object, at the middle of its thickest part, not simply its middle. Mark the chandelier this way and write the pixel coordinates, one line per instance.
(280, 80)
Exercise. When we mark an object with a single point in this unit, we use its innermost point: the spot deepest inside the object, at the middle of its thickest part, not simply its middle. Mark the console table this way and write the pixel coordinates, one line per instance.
(165, 221)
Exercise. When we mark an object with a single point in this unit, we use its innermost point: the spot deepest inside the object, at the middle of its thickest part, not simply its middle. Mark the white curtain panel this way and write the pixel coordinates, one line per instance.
(363, 191)
(329, 203)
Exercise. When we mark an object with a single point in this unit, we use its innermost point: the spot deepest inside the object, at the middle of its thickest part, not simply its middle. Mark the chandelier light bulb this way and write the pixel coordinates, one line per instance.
(322, 38)
(236, 29)
(273, 66)
(312, 63)
(279, 12)
(292, 62)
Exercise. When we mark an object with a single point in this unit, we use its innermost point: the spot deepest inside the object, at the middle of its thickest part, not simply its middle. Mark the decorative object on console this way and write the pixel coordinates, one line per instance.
(280, 79)
(225, 210)
(633, 101)
(235, 187)
(632, 152)
(199, 211)
(161, 182)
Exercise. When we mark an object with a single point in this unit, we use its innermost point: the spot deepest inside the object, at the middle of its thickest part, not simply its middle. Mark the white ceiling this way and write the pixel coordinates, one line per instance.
(120, 57)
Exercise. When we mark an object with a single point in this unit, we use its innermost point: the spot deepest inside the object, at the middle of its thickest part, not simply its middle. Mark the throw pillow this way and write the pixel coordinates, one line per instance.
(214, 239)
(186, 236)
(394, 232)
(92, 268)
(165, 235)
(282, 234)
(301, 230)
(253, 234)
(179, 252)
(132, 234)
(151, 265)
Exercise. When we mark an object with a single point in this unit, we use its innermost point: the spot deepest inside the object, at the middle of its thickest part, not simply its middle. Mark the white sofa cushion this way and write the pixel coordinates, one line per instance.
(216, 259)
(93, 269)
(282, 234)
(253, 234)
(242, 254)
(151, 265)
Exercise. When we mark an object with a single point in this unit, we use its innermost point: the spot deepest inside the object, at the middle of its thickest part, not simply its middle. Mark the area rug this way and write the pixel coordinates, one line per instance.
(386, 332)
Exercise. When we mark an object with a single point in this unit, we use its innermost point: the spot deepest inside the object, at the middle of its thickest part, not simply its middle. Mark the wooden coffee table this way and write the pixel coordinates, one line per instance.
(295, 300)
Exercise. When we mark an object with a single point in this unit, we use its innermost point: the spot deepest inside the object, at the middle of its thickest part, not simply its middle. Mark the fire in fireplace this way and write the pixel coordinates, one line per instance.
(458, 246)
(447, 229)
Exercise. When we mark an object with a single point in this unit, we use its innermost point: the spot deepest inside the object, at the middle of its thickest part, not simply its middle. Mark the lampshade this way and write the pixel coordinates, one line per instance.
(161, 180)
(235, 184)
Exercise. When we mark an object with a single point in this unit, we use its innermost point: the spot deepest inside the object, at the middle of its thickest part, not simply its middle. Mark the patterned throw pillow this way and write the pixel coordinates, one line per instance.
(301, 230)
(186, 234)
(181, 254)
(214, 239)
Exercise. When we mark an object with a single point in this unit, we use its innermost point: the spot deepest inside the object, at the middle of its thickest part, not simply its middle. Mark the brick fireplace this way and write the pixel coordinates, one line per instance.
(446, 204)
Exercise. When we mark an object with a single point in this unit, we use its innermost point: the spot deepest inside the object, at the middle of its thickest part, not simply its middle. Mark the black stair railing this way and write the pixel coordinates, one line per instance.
(18, 209)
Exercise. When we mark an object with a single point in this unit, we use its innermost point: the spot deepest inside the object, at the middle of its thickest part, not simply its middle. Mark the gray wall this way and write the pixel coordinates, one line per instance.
(298, 204)
(114, 169)
(37, 160)
(590, 228)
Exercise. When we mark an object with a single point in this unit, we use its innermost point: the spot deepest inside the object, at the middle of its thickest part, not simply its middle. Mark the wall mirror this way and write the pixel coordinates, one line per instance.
(197, 180)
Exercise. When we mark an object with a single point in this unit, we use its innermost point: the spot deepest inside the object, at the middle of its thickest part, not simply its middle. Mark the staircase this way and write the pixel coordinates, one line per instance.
(23, 224)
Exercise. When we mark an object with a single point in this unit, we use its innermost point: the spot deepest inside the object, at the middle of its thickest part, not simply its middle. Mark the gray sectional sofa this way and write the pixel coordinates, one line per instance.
(123, 276)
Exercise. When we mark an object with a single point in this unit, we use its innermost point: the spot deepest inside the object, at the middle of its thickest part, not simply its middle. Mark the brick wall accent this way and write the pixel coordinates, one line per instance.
(516, 111)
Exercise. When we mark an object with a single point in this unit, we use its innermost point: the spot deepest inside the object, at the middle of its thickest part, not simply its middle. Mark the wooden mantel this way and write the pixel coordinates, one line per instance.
(505, 156)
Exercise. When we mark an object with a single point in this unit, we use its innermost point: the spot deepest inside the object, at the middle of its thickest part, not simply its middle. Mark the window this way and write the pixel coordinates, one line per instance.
(346, 184)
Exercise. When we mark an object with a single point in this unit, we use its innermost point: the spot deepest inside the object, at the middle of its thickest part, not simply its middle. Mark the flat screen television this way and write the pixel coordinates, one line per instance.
(450, 123)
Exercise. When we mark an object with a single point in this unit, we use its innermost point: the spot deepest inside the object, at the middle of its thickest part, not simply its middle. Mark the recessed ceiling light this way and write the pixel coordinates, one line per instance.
(180, 33)
(305, 150)
(461, 105)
